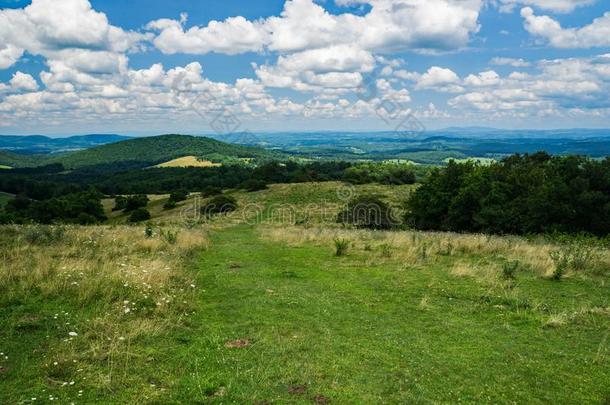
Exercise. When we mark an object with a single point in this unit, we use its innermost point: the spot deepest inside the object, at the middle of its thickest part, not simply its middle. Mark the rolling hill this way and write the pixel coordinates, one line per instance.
(9, 159)
(40, 144)
(151, 151)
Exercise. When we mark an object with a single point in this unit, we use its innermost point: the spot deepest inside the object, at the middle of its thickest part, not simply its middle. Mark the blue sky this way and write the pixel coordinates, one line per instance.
(149, 67)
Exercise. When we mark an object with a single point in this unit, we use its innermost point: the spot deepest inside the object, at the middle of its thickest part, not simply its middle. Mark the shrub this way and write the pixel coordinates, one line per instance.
(86, 219)
(341, 246)
(221, 204)
(44, 235)
(253, 185)
(367, 211)
(120, 203)
(562, 262)
(210, 191)
(148, 231)
(136, 201)
(170, 204)
(178, 196)
(139, 215)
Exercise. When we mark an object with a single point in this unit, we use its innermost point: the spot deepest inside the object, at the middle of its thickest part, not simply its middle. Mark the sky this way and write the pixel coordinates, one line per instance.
(145, 67)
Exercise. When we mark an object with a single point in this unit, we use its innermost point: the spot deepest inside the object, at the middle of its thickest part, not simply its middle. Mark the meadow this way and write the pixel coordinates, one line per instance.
(252, 307)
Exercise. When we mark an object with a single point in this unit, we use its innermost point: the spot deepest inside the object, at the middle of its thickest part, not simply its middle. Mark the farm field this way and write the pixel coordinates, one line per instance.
(235, 310)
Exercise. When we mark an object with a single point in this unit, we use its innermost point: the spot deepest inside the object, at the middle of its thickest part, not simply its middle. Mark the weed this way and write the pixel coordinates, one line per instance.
(44, 235)
(562, 262)
(169, 236)
(148, 231)
(386, 250)
(509, 269)
(341, 246)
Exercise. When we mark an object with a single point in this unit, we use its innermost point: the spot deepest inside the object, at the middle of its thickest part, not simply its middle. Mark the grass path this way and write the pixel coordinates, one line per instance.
(311, 327)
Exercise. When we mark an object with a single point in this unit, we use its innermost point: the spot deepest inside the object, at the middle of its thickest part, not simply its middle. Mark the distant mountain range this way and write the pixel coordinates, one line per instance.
(141, 152)
(432, 147)
(40, 144)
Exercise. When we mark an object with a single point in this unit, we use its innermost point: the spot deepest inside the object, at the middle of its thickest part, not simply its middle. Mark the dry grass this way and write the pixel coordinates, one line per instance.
(189, 161)
(416, 248)
(117, 287)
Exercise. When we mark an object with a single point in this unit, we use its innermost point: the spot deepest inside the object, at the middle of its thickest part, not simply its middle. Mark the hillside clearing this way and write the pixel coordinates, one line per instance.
(189, 161)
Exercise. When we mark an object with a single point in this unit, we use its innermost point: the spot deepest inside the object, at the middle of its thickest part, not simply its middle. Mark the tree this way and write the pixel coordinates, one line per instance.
(136, 201)
(179, 195)
(252, 185)
(139, 215)
(368, 211)
(220, 204)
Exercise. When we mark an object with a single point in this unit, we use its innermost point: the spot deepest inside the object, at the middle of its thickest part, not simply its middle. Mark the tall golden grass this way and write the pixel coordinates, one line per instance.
(416, 248)
(118, 286)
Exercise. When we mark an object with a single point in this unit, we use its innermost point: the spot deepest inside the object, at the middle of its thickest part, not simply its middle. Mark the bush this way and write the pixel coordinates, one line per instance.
(178, 196)
(341, 246)
(210, 191)
(86, 219)
(44, 235)
(120, 203)
(562, 262)
(170, 204)
(136, 201)
(139, 215)
(221, 204)
(367, 211)
(253, 185)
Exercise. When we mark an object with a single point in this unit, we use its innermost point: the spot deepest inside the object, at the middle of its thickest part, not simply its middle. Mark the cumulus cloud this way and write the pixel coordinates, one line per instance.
(50, 28)
(558, 6)
(332, 67)
(559, 85)
(233, 36)
(596, 34)
(500, 61)
(391, 25)
(440, 79)
(20, 82)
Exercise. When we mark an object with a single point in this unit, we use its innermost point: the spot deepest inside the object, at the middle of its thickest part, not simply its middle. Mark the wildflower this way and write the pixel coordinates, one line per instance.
(73, 334)
(127, 310)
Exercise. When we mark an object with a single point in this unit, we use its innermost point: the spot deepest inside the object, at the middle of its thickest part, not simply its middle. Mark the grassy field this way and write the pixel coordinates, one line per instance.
(5, 197)
(242, 311)
(189, 161)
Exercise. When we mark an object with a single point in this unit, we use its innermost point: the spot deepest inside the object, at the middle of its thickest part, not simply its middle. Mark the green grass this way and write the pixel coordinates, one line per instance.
(357, 333)
(158, 149)
(272, 320)
(5, 197)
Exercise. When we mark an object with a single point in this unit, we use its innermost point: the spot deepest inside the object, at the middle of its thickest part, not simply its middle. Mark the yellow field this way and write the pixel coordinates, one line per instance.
(189, 161)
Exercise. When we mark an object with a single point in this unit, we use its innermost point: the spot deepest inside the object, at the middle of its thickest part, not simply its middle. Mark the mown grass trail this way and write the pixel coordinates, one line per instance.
(279, 324)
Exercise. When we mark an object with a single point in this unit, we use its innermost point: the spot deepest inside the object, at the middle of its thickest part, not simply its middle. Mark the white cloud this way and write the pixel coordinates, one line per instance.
(500, 61)
(232, 36)
(440, 79)
(596, 34)
(20, 82)
(559, 86)
(52, 28)
(558, 6)
(488, 78)
(333, 67)
(391, 25)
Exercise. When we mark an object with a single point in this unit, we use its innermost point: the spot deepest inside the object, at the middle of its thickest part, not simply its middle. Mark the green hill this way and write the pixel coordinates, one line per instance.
(9, 159)
(159, 149)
